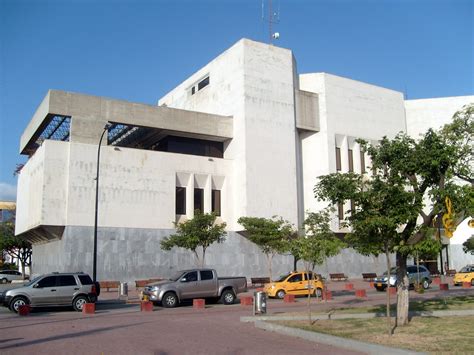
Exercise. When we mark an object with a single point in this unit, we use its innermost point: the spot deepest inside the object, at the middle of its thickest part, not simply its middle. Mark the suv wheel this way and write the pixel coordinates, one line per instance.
(79, 303)
(426, 284)
(17, 302)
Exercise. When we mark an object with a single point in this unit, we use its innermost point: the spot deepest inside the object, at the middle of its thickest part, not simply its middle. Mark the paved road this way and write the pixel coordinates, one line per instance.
(123, 329)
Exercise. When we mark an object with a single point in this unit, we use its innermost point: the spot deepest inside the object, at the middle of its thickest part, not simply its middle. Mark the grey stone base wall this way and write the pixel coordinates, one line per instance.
(133, 254)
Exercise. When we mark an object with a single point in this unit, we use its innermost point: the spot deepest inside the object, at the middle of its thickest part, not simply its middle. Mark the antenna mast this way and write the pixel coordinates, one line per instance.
(273, 18)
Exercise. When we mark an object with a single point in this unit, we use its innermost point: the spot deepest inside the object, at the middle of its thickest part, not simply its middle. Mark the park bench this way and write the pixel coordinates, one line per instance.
(450, 272)
(369, 276)
(338, 277)
(107, 285)
(143, 283)
(259, 281)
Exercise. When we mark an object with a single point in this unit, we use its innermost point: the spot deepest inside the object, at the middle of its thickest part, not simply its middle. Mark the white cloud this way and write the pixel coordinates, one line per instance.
(7, 192)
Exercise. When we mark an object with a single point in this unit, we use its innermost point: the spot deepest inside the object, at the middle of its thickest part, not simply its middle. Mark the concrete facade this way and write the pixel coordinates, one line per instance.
(279, 132)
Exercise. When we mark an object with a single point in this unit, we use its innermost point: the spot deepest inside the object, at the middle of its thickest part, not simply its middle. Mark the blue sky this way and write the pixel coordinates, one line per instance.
(138, 50)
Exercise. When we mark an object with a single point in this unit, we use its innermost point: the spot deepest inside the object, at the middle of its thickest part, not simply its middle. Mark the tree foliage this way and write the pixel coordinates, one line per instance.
(197, 233)
(468, 246)
(14, 246)
(391, 213)
(271, 235)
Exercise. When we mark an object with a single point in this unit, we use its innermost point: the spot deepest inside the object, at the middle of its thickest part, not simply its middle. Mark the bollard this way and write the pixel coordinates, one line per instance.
(436, 281)
(466, 285)
(444, 287)
(361, 294)
(372, 284)
(246, 300)
(88, 308)
(146, 306)
(24, 310)
(260, 303)
(349, 286)
(289, 298)
(392, 290)
(327, 295)
(199, 303)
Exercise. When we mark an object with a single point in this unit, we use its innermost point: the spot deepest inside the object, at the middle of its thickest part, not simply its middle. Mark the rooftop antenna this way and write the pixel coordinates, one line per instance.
(273, 17)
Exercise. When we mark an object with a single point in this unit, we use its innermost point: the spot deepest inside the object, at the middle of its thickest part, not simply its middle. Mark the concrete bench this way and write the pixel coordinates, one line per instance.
(338, 277)
(109, 284)
(259, 280)
(369, 276)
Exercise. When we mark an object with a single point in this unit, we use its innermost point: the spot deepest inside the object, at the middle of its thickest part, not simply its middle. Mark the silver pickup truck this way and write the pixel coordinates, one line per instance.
(195, 283)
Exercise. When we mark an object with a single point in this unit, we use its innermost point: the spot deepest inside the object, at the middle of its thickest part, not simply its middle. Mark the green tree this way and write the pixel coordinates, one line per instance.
(196, 234)
(14, 246)
(317, 244)
(460, 134)
(271, 235)
(409, 172)
(468, 246)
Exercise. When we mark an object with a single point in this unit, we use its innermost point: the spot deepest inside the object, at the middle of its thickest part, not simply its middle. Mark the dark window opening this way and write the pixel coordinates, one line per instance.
(362, 162)
(192, 146)
(193, 90)
(216, 202)
(199, 199)
(340, 211)
(338, 159)
(180, 200)
(203, 83)
(351, 161)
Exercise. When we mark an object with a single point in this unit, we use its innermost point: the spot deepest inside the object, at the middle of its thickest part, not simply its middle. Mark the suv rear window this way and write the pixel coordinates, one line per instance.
(67, 280)
(85, 279)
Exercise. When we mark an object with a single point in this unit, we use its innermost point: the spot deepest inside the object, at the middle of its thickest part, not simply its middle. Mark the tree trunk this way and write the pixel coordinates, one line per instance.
(295, 262)
(402, 291)
(269, 260)
(203, 257)
(389, 325)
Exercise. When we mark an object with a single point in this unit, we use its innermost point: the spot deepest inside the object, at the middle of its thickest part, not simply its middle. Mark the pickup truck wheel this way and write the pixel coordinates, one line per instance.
(280, 294)
(169, 300)
(228, 297)
(17, 302)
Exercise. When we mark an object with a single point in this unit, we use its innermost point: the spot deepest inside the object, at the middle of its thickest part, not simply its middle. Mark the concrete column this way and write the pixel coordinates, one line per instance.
(190, 197)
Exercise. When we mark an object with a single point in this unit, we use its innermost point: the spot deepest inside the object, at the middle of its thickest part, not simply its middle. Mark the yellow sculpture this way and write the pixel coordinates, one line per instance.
(448, 219)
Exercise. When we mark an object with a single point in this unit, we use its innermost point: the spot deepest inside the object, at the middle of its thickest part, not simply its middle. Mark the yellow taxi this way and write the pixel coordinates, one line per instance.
(466, 274)
(295, 283)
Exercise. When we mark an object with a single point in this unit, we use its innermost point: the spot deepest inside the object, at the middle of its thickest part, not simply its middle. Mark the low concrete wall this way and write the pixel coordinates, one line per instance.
(127, 254)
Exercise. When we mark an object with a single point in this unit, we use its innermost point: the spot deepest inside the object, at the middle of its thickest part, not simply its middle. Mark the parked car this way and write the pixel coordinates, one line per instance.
(423, 277)
(10, 275)
(56, 289)
(466, 274)
(295, 283)
(195, 283)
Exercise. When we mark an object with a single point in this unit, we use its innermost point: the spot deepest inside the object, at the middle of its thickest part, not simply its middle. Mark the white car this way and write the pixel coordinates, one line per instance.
(9, 276)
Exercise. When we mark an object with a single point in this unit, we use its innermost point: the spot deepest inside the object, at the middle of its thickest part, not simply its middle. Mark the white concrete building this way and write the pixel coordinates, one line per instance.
(244, 136)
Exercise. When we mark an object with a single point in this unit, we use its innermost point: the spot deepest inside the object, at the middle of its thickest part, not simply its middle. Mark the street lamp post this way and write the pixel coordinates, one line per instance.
(94, 269)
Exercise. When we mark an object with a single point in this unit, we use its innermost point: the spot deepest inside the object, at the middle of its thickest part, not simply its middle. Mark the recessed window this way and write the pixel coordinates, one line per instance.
(351, 161)
(340, 211)
(180, 200)
(216, 202)
(200, 85)
(199, 199)
(338, 159)
(203, 83)
(362, 162)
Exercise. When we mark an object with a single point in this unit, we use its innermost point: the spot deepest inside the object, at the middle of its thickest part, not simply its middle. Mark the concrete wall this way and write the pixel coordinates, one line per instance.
(253, 82)
(432, 113)
(130, 254)
(348, 110)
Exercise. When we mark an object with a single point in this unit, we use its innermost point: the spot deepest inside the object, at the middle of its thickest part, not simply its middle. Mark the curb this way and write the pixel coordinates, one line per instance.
(344, 343)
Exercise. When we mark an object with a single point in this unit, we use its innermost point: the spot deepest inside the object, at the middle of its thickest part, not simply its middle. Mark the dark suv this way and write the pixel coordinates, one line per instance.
(416, 274)
(56, 289)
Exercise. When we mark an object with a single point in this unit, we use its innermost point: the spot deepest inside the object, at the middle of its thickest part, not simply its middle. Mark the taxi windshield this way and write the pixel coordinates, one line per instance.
(283, 277)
